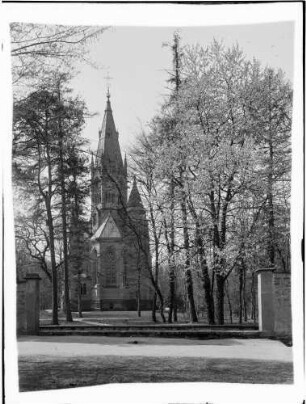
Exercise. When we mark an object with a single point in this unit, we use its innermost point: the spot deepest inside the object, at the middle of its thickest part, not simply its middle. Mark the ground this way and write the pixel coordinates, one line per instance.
(112, 317)
(72, 361)
(121, 317)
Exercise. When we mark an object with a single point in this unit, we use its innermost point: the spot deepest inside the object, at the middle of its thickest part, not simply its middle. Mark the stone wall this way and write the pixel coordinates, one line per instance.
(28, 305)
(21, 286)
(274, 303)
(282, 303)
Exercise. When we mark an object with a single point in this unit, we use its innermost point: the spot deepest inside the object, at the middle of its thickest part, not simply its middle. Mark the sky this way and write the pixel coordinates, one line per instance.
(137, 61)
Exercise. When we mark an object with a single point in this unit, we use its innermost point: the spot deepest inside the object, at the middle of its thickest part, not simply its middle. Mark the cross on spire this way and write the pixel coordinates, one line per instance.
(108, 78)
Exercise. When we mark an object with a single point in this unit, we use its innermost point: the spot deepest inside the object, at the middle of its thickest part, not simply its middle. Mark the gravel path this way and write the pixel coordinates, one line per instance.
(77, 346)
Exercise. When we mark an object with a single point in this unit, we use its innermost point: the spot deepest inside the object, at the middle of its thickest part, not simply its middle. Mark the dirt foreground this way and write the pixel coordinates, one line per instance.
(78, 346)
(73, 361)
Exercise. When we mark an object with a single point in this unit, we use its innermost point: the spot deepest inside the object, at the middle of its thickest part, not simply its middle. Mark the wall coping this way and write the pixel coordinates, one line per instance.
(263, 270)
(32, 276)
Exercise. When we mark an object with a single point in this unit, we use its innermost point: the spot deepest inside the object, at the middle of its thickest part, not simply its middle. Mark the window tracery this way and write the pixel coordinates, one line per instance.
(110, 268)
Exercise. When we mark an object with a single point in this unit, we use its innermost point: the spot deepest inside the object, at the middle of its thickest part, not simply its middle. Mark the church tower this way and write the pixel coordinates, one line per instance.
(109, 173)
(119, 245)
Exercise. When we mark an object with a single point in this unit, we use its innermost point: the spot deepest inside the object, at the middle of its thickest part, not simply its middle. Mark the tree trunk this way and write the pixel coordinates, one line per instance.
(271, 248)
(76, 255)
(159, 295)
(157, 292)
(138, 294)
(47, 199)
(212, 282)
(208, 295)
(271, 230)
(64, 220)
(161, 307)
(245, 304)
(219, 242)
(156, 273)
(188, 274)
(209, 300)
(79, 296)
(66, 268)
(171, 291)
(171, 262)
(77, 267)
(154, 307)
(191, 303)
(175, 310)
(138, 305)
(220, 298)
(240, 293)
(229, 302)
(53, 263)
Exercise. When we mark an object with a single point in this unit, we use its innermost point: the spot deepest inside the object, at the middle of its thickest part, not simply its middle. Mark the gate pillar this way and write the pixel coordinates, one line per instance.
(32, 303)
(266, 309)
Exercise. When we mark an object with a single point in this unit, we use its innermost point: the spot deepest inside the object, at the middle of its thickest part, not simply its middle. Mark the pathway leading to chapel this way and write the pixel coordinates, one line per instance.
(77, 346)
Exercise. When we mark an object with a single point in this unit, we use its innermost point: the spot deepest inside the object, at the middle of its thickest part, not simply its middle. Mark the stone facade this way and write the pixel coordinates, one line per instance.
(119, 253)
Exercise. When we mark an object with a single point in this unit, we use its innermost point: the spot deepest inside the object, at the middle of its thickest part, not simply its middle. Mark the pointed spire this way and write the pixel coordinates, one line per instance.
(108, 146)
(108, 104)
(135, 199)
(125, 162)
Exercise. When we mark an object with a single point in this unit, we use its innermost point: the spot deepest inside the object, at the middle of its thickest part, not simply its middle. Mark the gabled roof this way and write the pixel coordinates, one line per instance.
(108, 229)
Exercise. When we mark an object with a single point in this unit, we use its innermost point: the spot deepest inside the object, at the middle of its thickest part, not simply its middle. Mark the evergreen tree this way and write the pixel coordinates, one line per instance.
(45, 125)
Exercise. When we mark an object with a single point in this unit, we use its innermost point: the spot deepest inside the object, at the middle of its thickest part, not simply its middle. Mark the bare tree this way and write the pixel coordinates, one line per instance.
(40, 49)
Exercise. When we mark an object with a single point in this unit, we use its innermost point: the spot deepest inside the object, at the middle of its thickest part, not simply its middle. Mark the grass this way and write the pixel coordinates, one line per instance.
(111, 317)
(45, 373)
(122, 317)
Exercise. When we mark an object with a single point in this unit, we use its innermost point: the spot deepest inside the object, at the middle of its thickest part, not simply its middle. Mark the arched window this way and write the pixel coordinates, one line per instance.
(110, 268)
(96, 192)
(83, 289)
(94, 267)
(124, 276)
(110, 198)
(94, 219)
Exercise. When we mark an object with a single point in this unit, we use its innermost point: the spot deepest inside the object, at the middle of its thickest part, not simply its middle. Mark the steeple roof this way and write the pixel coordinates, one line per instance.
(134, 198)
(108, 146)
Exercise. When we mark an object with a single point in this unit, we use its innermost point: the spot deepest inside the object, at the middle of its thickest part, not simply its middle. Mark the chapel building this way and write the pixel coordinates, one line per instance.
(118, 271)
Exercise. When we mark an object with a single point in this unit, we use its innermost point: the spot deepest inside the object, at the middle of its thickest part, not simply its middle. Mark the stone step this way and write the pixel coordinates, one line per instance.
(166, 327)
(198, 334)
